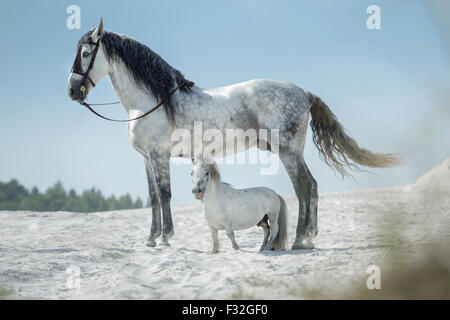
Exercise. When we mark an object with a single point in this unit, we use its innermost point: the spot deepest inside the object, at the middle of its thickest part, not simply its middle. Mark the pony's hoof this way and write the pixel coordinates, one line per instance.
(214, 251)
(151, 243)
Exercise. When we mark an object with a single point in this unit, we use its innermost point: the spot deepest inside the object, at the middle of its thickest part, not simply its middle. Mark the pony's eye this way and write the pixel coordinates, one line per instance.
(85, 54)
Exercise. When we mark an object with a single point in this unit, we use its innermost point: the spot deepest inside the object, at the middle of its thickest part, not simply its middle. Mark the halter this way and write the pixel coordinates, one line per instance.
(85, 75)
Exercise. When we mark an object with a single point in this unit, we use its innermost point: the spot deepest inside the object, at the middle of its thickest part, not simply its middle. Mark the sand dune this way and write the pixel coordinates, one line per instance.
(63, 255)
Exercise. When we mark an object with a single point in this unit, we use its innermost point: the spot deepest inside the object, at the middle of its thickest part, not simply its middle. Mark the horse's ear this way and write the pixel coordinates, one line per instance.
(100, 27)
(98, 31)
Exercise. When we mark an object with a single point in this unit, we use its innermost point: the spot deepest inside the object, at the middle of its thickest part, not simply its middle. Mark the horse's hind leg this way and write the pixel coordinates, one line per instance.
(266, 237)
(305, 187)
(265, 225)
(230, 235)
(273, 221)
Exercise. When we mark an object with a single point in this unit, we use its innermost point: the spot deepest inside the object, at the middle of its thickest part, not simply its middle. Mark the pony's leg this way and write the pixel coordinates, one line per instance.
(215, 239)
(155, 230)
(273, 232)
(161, 165)
(266, 237)
(305, 187)
(230, 235)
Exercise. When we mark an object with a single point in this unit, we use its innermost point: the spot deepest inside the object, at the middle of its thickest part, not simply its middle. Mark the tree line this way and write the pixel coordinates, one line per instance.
(14, 196)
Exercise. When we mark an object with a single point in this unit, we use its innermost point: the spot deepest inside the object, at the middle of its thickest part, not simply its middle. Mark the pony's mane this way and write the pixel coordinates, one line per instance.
(214, 173)
(146, 67)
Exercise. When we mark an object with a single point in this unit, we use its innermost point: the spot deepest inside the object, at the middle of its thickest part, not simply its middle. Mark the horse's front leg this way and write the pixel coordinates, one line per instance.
(155, 230)
(215, 239)
(161, 169)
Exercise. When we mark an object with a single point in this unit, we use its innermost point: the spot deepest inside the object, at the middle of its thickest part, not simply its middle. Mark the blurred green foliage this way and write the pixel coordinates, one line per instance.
(14, 196)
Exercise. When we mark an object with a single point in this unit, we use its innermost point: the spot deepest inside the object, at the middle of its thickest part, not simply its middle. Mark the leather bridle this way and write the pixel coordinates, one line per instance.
(86, 77)
(91, 65)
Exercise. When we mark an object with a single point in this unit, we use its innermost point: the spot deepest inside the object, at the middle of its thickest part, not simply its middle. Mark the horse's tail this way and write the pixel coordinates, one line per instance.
(281, 238)
(336, 148)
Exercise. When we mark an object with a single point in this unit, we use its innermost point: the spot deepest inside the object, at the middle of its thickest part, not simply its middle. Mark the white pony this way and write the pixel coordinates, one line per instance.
(232, 209)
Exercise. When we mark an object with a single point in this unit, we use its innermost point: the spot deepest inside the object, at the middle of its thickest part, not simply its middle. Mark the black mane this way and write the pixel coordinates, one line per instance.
(146, 67)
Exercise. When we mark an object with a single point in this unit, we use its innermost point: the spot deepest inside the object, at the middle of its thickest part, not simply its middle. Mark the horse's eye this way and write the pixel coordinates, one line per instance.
(85, 54)
(192, 173)
(207, 173)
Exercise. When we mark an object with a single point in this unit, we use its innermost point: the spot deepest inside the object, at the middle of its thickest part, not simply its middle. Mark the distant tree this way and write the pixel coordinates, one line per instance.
(112, 203)
(55, 197)
(72, 202)
(138, 204)
(125, 202)
(34, 201)
(12, 194)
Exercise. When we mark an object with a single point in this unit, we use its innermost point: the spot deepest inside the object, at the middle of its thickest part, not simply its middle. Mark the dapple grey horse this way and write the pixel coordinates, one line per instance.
(142, 79)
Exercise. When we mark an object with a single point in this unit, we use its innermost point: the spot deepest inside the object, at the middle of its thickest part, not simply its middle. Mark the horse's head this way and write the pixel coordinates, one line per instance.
(90, 65)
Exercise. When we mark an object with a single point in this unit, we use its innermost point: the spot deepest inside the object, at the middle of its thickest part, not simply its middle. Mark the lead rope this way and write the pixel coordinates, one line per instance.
(87, 105)
(104, 104)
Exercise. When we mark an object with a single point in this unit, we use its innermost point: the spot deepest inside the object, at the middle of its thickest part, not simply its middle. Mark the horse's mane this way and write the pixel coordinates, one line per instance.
(146, 67)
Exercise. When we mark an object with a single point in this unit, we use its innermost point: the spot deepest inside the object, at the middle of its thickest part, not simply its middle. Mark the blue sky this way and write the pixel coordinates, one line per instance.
(389, 87)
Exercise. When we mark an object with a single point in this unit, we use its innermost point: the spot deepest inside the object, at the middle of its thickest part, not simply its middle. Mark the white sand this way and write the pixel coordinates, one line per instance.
(40, 253)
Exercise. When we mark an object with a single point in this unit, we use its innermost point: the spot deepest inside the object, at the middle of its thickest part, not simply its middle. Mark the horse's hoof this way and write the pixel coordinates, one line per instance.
(151, 243)
(309, 245)
(168, 233)
(214, 251)
(311, 233)
(164, 243)
(302, 245)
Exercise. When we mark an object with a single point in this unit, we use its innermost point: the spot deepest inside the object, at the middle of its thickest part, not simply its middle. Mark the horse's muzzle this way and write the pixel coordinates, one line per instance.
(77, 90)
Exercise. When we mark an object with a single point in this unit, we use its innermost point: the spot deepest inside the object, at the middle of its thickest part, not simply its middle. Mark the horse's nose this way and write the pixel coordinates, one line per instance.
(195, 190)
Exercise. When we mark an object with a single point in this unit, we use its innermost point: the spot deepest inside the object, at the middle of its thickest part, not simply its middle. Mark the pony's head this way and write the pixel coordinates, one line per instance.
(90, 65)
(202, 173)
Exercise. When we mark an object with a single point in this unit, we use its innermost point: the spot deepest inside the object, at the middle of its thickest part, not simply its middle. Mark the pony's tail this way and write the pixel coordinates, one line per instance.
(281, 238)
(336, 148)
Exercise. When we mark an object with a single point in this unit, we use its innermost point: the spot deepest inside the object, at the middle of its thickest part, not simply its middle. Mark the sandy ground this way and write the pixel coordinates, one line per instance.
(63, 255)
